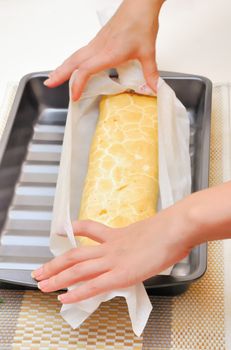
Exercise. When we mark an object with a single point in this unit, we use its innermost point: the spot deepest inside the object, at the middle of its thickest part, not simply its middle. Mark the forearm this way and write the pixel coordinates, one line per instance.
(207, 214)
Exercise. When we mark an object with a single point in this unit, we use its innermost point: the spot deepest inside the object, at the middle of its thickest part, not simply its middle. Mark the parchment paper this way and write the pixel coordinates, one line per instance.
(174, 175)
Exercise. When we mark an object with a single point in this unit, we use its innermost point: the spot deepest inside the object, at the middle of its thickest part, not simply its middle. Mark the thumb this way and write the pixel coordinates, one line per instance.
(93, 230)
(150, 70)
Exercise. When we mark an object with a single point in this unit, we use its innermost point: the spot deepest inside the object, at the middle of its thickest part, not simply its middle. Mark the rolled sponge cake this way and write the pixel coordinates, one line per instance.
(121, 185)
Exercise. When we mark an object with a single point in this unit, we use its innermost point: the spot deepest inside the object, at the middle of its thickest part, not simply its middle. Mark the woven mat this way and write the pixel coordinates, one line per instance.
(30, 319)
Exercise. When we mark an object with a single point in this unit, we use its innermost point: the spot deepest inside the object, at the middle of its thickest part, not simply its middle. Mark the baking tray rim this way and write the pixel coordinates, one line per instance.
(203, 248)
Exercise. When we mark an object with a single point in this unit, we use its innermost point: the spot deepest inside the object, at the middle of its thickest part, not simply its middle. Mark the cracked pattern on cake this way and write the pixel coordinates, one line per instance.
(121, 185)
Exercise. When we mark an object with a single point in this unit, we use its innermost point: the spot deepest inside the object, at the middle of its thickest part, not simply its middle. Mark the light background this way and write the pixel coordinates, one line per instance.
(37, 35)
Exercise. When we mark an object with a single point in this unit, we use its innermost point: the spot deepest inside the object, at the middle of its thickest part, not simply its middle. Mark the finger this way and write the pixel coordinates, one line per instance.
(150, 70)
(62, 262)
(94, 230)
(101, 61)
(79, 272)
(99, 285)
(64, 71)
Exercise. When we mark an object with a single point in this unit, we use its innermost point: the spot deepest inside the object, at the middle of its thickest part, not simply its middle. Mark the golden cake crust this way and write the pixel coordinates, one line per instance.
(121, 185)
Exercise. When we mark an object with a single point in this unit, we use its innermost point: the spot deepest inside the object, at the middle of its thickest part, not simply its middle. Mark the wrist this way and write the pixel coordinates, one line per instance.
(185, 226)
(204, 216)
(175, 230)
(195, 223)
(147, 10)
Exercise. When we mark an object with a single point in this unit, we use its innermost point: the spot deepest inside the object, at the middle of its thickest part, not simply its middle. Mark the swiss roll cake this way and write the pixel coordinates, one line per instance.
(121, 184)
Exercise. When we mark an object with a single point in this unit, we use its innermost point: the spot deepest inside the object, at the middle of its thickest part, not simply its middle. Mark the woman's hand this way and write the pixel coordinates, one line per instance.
(124, 257)
(129, 34)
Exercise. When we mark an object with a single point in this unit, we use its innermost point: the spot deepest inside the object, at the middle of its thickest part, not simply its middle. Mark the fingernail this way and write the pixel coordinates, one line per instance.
(61, 298)
(37, 273)
(43, 284)
(46, 82)
(72, 95)
(156, 85)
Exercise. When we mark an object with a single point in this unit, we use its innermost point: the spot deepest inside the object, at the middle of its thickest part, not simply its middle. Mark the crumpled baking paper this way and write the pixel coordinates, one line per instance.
(174, 175)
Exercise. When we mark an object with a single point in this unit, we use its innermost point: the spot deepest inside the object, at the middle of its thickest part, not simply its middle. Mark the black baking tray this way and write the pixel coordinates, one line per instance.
(29, 159)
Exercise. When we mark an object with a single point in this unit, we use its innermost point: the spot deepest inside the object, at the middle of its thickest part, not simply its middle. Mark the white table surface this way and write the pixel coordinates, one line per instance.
(38, 35)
